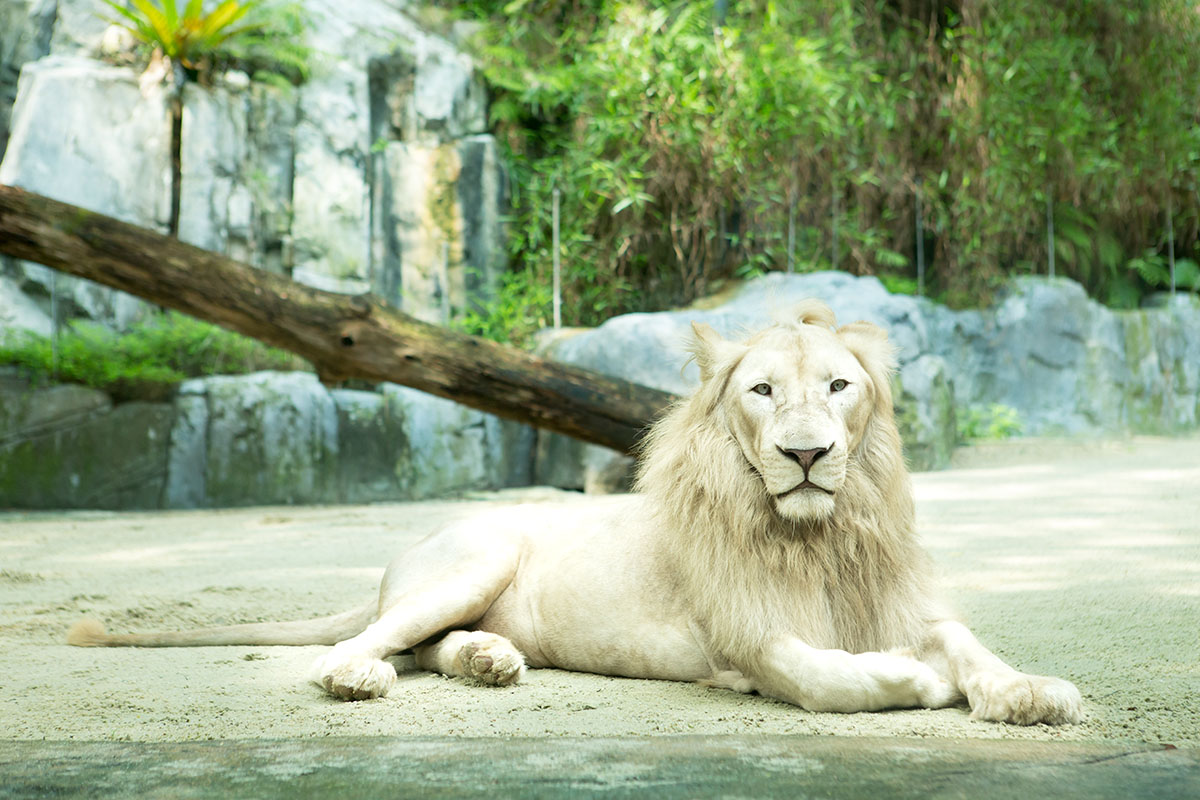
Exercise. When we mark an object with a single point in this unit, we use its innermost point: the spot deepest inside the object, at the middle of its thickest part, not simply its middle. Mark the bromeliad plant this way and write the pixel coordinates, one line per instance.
(192, 37)
(264, 37)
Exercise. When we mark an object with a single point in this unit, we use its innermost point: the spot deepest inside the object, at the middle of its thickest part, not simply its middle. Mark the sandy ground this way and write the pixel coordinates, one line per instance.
(1075, 560)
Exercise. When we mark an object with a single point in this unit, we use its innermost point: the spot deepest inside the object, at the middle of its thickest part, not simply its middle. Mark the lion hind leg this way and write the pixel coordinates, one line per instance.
(445, 583)
(478, 655)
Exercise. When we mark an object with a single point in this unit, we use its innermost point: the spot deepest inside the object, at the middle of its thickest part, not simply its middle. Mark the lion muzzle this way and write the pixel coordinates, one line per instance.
(805, 486)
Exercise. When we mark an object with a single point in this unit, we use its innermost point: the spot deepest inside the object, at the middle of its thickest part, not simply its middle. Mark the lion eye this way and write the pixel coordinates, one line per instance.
(762, 388)
(838, 385)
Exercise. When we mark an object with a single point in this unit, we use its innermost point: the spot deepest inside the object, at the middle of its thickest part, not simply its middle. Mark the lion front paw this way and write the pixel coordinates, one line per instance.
(1023, 699)
(354, 677)
(491, 659)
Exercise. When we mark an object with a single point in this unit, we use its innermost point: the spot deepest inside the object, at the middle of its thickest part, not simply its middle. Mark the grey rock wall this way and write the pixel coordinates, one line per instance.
(83, 133)
(451, 448)
(649, 349)
(1072, 366)
(439, 232)
(376, 137)
(1061, 362)
(20, 311)
(69, 447)
(236, 171)
(270, 438)
(25, 30)
(266, 438)
(377, 175)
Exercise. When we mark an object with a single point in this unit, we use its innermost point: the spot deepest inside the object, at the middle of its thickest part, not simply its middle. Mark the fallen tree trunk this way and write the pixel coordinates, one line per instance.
(343, 336)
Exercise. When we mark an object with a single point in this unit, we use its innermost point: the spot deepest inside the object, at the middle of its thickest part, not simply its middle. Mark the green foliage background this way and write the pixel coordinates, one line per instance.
(682, 147)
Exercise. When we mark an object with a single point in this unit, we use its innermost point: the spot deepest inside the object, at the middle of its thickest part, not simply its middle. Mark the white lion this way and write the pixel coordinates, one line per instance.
(769, 547)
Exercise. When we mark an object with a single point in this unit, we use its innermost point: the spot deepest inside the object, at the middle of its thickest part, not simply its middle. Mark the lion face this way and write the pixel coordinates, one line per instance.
(797, 399)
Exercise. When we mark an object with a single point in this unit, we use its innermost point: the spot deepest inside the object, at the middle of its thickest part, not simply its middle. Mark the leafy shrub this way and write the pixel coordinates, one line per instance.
(688, 151)
(1154, 270)
(899, 284)
(520, 308)
(145, 363)
(673, 146)
(995, 421)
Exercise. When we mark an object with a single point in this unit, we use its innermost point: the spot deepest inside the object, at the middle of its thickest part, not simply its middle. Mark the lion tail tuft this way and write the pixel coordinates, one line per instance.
(88, 633)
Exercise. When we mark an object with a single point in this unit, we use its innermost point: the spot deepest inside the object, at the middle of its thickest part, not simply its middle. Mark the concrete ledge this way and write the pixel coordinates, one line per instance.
(659, 767)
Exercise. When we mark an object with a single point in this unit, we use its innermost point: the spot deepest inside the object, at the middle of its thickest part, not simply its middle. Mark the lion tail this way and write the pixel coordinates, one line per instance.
(324, 630)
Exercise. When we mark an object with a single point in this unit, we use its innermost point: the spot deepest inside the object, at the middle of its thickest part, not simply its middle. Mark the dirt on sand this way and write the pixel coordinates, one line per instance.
(1080, 560)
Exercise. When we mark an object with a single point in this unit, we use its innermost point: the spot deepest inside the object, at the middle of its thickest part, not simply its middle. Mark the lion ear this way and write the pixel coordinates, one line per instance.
(869, 344)
(709, 349)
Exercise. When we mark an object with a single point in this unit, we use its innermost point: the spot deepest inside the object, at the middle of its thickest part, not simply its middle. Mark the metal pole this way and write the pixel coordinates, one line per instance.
(557, 265)
(1050, 229)
(1171, 240)
(54, 324)
(833, 204)
(445, 279)
(920, 243)
(791, 236)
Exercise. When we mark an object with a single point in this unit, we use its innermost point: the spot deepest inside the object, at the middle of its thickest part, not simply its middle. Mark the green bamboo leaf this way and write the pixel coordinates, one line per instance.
(621, 205)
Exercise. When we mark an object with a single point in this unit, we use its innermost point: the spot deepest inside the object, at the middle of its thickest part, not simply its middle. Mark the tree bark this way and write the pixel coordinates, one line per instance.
(343, 336)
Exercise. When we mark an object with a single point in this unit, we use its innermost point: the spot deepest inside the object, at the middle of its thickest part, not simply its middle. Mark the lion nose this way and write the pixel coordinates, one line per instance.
(805, 458)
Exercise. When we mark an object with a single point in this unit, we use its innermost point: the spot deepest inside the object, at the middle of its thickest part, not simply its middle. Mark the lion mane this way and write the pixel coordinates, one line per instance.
(737, 556)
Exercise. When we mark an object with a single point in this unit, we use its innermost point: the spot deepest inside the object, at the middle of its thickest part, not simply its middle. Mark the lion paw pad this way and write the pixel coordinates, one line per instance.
(495, 662)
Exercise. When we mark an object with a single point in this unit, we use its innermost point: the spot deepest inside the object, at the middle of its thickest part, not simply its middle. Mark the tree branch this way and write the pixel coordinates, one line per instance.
(343, 336)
